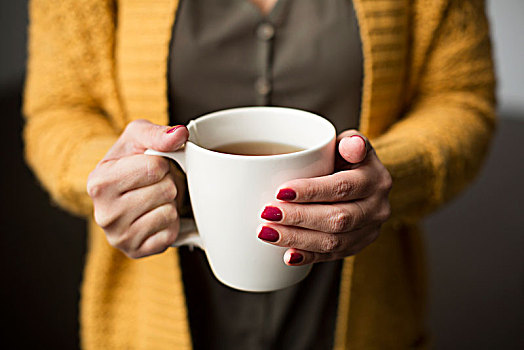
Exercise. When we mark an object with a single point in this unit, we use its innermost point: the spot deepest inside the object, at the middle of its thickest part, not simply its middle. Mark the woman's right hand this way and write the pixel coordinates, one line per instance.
(134, 194)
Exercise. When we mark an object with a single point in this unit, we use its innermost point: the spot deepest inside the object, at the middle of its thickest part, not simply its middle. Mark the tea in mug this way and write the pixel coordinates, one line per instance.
(257, 148)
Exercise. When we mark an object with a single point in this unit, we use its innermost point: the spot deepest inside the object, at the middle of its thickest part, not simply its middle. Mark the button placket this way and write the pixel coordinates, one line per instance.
(265, 33)
(262, 86)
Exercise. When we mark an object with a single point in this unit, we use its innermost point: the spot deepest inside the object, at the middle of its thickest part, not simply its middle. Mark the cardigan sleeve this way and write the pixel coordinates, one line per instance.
(439, 144)
(67, 131)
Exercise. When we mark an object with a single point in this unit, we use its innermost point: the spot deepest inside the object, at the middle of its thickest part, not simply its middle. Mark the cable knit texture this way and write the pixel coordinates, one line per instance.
(427, 105)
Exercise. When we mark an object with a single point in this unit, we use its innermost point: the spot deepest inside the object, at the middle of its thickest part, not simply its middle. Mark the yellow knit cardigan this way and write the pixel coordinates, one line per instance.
(427, 105)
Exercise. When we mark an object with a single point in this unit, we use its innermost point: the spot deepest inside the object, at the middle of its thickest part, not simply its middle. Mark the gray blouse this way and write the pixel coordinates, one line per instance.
(304, 54)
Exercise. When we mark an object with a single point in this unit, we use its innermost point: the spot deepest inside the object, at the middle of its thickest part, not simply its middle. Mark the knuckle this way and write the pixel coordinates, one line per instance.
(295, 218)
(167, 215)
(122, 241)
(170, 191)
(156, 168)
(134, 126)
(342, 190)
(340, 221)
(170, 213)
(385, 213)
(94, 190)
(387, 182)
(290, 239)
(167, 238)
(95, 185)
(330, 243)
(103, 218)
(117, 241)
(162, 240)
(157, 249)
(111, 239)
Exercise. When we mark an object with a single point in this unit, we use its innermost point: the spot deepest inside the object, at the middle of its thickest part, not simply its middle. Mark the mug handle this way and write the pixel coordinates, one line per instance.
(188, 235)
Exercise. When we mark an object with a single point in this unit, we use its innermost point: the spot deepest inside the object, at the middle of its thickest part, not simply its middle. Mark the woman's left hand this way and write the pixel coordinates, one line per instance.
(334, 216)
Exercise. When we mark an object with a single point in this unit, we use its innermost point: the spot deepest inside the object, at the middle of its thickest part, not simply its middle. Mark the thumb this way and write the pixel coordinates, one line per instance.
(353, 147)
(141, 135)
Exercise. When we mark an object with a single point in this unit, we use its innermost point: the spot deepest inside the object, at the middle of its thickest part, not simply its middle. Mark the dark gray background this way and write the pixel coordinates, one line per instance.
(475, 245)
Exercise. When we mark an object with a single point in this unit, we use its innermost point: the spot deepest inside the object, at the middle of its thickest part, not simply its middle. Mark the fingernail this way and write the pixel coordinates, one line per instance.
(272, 214)
(286, 194)
(295, 258)
(268, 234)
(360, 137)
(172, 130)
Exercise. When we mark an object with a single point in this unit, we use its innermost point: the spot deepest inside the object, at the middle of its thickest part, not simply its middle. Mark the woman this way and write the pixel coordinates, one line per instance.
(415, 78)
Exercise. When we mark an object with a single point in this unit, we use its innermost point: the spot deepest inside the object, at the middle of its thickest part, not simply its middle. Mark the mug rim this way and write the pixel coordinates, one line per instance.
(216, 114)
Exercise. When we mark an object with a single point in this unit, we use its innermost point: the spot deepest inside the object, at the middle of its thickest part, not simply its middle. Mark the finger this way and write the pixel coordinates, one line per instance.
(126, 174)
(294, 257)
(140, 171)
(353, 132)
(154, 232)
(338, 187)
(297, 257)
(353, 148)
(116, 215)
(144, 199)
(332, 218)
(140, 135)
(304, 239)
(156, 243)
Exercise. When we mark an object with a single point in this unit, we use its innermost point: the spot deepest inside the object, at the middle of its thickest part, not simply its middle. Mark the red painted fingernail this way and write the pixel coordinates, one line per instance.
(286, 194)
(268, 234)
(272, 214)
(295, 258)
(172, 130)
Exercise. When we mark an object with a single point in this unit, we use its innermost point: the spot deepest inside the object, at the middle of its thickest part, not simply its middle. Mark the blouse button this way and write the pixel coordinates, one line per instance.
(262, 86)
(265, 31)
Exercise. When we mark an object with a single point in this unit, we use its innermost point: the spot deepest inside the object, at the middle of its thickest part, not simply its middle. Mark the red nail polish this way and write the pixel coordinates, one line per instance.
(268, 234)
(272, 214)
(295, 258)
(172, 130)
(286, 194)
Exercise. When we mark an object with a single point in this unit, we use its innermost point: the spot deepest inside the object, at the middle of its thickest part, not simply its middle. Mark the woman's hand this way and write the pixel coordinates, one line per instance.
(134, 194)
(331, 217)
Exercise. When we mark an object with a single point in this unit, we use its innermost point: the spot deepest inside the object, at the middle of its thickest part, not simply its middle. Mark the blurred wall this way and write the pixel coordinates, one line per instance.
(41, 247)
(508, 37)
(13, 20)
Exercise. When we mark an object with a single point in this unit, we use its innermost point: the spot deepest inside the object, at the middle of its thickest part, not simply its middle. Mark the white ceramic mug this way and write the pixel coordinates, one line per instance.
(228, 192)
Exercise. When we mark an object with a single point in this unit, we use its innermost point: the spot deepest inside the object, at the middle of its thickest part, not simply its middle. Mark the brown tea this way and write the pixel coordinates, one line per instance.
(257, 148)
